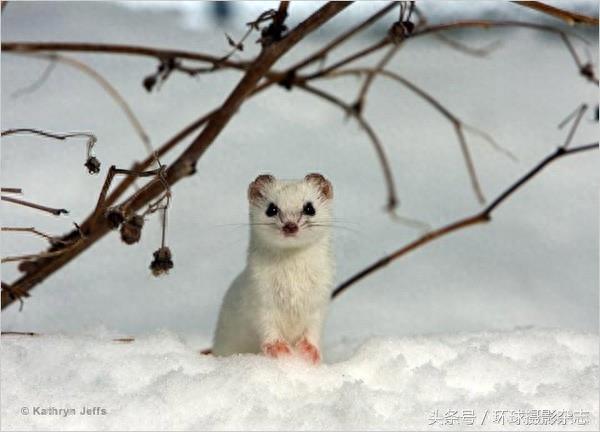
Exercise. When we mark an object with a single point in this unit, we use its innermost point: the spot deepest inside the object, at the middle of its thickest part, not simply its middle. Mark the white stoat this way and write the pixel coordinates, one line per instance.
(277, 305)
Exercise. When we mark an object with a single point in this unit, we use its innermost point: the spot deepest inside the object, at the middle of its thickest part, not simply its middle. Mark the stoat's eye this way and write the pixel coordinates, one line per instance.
(308, 209)
(272, 210)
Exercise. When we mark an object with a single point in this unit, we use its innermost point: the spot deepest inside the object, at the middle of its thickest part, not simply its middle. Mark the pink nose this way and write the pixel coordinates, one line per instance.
(290, 228)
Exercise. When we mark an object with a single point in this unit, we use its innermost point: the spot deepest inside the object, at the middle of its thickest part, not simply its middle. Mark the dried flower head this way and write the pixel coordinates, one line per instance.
(114, 216)
(93, 165)
(149, 82)
(400, 30)
(131, 229)
(28, 266)
(162, 262)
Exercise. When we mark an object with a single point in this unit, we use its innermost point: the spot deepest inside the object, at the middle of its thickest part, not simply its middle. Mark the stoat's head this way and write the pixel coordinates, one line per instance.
(290, 213)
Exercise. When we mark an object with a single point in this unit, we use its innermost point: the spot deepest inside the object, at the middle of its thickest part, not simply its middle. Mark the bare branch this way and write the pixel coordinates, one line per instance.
(481, 217)
(91, 163)
(578, 115)
(12, 190)
(372, 73)
(54, 211)
(120, 49)
(51, 239)
(37, 83)
(475, 52)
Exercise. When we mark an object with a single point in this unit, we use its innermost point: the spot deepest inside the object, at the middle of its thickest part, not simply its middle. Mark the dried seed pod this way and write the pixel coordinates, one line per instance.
(162, 262)
(27, 266)
(131, 229)
(587, 70)
(149, 82)
(93, 165)
(400, 30)
(114, 216)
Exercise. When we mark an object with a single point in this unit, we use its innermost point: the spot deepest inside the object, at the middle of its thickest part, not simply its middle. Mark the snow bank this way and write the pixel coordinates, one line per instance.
(423, 382)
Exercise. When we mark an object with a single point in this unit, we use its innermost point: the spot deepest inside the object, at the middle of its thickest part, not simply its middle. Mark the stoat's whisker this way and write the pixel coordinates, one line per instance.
(245, 224)
(333, 226)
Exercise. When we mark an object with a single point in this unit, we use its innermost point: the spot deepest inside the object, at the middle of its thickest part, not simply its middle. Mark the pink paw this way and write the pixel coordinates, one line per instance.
(278, 348)
(309, 351)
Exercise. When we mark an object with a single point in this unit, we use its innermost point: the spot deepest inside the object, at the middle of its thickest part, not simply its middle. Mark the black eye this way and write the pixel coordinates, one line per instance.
(308, 209)
(272, 210)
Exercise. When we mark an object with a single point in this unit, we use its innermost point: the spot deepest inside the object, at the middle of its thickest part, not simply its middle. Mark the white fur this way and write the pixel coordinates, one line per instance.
(283, 292)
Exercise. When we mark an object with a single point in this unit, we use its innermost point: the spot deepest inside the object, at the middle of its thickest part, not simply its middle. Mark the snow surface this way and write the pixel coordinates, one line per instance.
(159, 382)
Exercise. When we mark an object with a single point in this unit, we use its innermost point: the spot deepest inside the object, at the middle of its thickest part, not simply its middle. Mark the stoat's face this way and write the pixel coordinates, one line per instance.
(290, 213)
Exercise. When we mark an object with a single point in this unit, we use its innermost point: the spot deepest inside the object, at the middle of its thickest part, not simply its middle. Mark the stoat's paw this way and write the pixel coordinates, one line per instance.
(309, 351)
(275, 349)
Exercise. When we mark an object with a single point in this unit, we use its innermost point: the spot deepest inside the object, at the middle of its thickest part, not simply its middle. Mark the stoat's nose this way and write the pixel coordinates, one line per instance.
(290, 228)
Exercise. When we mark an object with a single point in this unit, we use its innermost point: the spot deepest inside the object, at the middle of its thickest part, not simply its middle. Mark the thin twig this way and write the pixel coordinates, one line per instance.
(91, 138)
(11, 190)
(465, 49)
(54, 211)
(480, 217)
(578, 115)
(392, 200)
(37, 83)
(569, 17)
(112, 92)
(51, 239)
(371, 74)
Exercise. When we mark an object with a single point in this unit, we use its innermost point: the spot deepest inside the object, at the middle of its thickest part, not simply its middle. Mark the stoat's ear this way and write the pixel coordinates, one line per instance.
(255, 190)
(323, 184)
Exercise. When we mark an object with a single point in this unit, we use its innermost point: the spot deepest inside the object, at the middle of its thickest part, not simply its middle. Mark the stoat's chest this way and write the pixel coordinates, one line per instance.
(294, 284)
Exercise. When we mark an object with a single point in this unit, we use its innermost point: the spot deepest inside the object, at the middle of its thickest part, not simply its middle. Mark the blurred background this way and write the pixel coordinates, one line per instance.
(536, 264)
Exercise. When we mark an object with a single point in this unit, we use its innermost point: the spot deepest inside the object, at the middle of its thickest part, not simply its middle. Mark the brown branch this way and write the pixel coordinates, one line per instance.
(16, 333)
(133, 50)
(54, 211)
(89, 136)
(372, 73)
(184, 165)
(578, 115)
(36, 256)
(569, 17)
(12, 190)
(32, 230)
(480, 217)
(465, 49)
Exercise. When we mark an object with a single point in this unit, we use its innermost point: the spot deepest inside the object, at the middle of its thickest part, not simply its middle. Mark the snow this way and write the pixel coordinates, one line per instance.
(160, 382)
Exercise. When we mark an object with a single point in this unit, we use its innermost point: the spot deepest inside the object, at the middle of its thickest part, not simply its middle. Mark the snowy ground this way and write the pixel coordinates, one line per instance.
(535, 265)
(492, 380)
